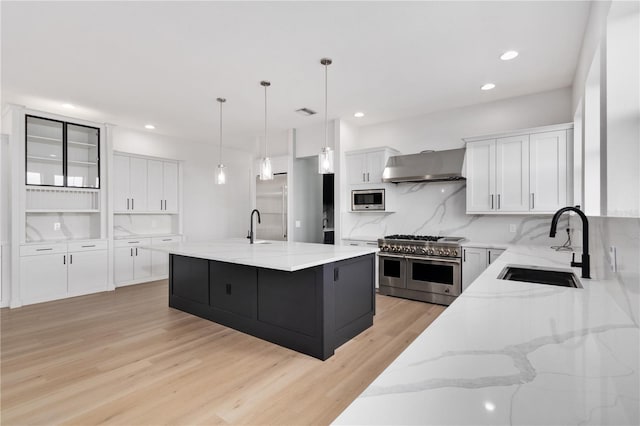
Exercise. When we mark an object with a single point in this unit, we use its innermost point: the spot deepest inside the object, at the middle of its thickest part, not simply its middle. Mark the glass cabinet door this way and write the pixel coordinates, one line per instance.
(45, 153)
(83, 156)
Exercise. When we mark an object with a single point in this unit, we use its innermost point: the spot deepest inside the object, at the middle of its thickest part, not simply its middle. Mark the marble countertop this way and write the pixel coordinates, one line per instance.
(479, 244)
(509, 352)
(281, 255)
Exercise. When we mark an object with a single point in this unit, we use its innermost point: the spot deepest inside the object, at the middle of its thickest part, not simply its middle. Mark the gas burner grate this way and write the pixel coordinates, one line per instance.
(412, 237)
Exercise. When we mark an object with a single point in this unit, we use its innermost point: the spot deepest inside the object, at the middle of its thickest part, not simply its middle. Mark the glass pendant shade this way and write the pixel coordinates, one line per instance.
(266, 173)
(221, 177)
(325, 161)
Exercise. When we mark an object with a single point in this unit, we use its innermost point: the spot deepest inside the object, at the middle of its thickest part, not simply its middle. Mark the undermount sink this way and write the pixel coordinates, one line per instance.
(537, 275)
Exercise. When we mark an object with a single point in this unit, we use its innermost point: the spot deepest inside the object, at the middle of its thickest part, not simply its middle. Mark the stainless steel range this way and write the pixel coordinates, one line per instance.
(421, 267)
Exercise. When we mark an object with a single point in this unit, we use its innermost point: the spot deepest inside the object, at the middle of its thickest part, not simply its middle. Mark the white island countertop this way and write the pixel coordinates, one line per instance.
(281, 255)
(508, 352)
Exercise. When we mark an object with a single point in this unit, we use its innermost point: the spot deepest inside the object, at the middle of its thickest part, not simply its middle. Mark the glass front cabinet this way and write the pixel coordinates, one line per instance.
(61, 154)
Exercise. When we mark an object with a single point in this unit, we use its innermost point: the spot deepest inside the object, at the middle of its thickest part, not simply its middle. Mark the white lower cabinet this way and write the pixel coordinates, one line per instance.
(135, 264)
(43, 277)
(474, 261)
(87, 272)
(132, 262)
(160, 259)
(56, 271)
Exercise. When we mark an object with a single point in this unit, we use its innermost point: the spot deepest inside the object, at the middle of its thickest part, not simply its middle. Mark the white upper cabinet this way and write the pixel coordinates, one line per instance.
(548, 162)
(138, 184)
(481, 164)
(367, 166)
(512, 174)
(522, 173)
(170, 186)
(121, 197)
(144, 185)
(156, 188)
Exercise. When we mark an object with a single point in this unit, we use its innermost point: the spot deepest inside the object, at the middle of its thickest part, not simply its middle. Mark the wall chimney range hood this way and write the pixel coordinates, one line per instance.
(433, 166)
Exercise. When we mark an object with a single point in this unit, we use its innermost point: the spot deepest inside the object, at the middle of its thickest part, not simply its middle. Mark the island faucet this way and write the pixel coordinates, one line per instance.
(250, 236)
(585, 264)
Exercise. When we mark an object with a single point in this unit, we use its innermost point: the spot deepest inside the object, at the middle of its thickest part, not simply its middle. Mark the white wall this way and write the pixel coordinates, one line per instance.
(445, 129)
(593, 35)
(210, 211)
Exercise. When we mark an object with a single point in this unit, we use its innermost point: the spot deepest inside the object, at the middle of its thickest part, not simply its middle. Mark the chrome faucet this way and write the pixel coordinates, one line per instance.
(250, 235)
(585, 264)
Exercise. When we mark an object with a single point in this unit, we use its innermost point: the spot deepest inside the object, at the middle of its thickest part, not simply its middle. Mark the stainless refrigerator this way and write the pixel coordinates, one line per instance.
(271, 202)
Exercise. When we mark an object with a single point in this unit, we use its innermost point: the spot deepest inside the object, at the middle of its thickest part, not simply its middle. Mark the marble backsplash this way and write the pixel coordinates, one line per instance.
(44, 227)
(440, 209)
(624, 283)
(131, 225)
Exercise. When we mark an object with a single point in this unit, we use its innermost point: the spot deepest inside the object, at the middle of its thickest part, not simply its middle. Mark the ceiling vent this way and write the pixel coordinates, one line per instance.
(306, 112)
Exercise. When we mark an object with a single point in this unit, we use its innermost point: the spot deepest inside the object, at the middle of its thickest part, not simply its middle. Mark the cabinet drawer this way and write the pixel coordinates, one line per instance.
(133, 242)
(38, 249)
(88, 246)
(166, 240)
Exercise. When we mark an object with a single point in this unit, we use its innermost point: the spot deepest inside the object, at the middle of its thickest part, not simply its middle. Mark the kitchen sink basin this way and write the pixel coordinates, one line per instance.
(532, 274)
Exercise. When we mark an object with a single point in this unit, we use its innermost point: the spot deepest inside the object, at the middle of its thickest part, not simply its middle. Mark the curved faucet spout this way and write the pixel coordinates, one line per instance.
(251, 233)
(586, 263)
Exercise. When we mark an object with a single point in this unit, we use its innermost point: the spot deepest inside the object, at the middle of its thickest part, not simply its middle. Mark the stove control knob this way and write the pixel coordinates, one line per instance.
(384, 248)
(447, 252)
(430, 251)
(409, 250)
(441, 252)
(421, 251)
(454, 252)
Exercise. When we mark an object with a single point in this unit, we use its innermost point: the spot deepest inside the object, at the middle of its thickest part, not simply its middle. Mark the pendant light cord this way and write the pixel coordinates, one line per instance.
(265, 122)
(326, 96)
(220, 156)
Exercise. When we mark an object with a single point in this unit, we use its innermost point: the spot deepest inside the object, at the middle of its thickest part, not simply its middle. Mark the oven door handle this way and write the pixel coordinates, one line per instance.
(396, 256)
(435, 259)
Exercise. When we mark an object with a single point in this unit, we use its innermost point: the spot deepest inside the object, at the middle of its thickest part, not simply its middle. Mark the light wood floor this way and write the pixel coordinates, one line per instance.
(125, 358)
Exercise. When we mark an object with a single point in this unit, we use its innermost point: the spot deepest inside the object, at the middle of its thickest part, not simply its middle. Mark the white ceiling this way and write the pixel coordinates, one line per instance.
(166, 62)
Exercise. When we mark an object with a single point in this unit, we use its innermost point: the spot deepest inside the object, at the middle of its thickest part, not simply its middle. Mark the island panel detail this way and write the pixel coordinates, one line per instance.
(313, 310)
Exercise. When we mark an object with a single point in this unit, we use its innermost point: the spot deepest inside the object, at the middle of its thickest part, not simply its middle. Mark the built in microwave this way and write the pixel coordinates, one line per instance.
(367, 200)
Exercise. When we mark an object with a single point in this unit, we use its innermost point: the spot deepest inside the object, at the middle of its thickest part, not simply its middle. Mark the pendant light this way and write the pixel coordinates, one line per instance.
(265, 166)
(325, 158)
(221, 178)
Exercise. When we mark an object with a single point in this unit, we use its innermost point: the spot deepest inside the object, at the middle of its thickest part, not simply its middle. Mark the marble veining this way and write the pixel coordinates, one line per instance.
(440, 209)
(509, 352)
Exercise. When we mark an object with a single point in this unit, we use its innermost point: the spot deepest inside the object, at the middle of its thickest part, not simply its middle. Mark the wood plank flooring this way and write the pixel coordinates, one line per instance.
(125, 357)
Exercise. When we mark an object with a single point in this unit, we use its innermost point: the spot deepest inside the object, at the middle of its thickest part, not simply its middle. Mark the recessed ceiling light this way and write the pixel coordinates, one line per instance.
(489, 406)
(149, 126)
(358, 114)
(488, 86)
(509, 55)
(68, 106)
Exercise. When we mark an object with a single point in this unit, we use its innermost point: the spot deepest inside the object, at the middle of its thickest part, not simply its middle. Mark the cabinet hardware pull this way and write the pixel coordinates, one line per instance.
(336, 274)
(133, 242)
(160, 204)
(127, 204)
(368, 180)
(491, 201)
(44, 249)
(132, 208)
(92, 245)
(363, 179)
(228, 289)
(64, 259)
(533, 200)
(136, 251)
(464, 255)
(70, 259)
(498, 201)
(131, 251)
(166, 239)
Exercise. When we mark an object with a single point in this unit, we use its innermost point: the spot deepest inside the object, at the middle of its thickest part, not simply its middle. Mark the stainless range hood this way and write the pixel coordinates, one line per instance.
(433, 166)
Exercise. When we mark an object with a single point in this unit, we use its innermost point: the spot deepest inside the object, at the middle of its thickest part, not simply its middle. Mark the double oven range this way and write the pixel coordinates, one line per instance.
(419, 267)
